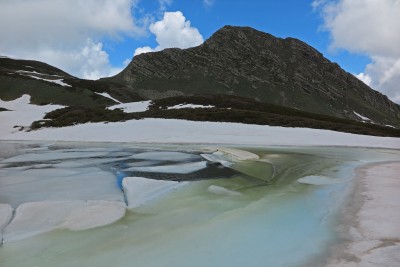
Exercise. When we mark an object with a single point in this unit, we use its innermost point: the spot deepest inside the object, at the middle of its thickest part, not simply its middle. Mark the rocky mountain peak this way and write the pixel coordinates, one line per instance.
(245, 62)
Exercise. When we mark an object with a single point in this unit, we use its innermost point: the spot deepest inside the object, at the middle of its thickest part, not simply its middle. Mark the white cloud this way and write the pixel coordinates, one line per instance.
(61, 32)
(173, 31)
(370, 27)
(364, 77)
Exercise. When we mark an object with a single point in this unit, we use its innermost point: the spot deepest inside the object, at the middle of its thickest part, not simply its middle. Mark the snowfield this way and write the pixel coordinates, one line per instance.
(181, 131)
(172, 131)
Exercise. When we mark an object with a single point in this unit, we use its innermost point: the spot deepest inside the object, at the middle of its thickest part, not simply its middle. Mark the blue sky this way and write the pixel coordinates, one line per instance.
(97, 38)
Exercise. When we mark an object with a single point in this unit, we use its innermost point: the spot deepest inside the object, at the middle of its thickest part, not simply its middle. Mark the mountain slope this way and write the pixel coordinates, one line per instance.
(47, 84)
(245, 62)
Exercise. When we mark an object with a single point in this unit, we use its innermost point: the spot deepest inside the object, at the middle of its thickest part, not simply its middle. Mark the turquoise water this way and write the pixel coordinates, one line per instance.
(276, 221)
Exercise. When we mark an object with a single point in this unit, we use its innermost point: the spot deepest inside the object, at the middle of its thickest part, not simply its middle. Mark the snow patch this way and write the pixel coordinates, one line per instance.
(21, 113)
(34, 74)
(106, 95)
(182, 131)
(317, 180)
(190, 106)
(132, 107)
(361, 116)
(139, 190)
(58, 81)
(35, 218)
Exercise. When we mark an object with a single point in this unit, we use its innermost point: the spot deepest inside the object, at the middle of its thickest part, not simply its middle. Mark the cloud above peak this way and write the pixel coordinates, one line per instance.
(174, 30)
(57, 30)
(369, 27)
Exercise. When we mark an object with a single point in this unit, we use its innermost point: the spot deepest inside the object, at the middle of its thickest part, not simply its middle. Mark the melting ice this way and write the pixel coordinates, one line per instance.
(71, 204)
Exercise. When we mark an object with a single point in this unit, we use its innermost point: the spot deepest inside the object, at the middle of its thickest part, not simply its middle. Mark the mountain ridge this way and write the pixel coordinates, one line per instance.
(239, 75)
(245, 62)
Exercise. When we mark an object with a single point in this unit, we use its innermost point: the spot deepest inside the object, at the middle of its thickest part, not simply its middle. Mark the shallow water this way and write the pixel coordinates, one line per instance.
(272, 220)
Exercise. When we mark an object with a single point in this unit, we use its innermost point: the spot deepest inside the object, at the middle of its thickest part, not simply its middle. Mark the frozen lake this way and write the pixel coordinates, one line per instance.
(122, 204)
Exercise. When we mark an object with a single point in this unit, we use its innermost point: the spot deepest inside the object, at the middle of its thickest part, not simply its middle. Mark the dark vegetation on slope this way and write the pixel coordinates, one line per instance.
(3, 109)
(227, 109)
(19, 77)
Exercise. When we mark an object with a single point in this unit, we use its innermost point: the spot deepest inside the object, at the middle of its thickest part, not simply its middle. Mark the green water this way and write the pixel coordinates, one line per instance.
(275, 222)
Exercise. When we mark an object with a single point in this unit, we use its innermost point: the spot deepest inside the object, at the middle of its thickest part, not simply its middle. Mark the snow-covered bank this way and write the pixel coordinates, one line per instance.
(171, 130)
(181, 131)
(21, 113)
(374, 233)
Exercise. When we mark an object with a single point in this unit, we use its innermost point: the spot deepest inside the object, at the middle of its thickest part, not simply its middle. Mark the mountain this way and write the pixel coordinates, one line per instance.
(47, 84)
(238, 75)
(241, 61)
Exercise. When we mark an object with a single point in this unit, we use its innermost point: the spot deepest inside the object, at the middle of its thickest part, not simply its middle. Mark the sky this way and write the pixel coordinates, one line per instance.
(98, 38)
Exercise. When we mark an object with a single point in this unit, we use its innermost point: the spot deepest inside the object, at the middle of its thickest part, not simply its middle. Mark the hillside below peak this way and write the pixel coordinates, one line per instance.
(245, 62)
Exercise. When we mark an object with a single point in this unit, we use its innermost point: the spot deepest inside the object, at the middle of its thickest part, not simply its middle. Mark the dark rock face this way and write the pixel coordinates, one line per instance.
(245, 62)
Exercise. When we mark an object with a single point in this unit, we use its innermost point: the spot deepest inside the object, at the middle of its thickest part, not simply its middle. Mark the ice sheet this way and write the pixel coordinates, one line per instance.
(182, 168)
(6, 212)
(58, 184)
(40, 217)
(54, 155)
(165, 156)
(139, 190)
